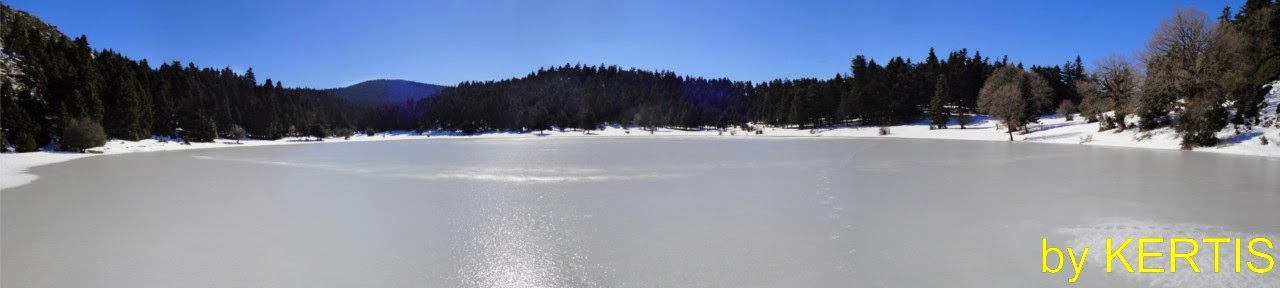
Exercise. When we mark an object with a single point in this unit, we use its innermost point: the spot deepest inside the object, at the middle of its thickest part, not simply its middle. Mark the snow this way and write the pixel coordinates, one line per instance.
(9, 70)
(1051, 129)
(14, 167)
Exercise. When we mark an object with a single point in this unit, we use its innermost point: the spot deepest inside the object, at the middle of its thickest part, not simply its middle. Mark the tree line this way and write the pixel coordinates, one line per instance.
(51, 81)
(1196, 76)
(1201, 75)
(585, 96)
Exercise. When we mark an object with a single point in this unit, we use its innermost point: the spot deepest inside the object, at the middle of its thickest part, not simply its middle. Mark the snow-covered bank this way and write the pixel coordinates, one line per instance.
(1051, 129)
(14, 166)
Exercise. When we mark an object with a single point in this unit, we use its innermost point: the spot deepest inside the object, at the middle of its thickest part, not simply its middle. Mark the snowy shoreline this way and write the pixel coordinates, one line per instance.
(1055, 130)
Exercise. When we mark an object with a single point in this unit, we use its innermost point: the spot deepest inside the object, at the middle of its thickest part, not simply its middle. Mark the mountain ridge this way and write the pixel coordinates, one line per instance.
(378, 92)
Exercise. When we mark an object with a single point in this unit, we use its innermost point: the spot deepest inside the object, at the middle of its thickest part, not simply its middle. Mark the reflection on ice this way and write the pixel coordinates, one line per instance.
(505, 243)
(484, 174)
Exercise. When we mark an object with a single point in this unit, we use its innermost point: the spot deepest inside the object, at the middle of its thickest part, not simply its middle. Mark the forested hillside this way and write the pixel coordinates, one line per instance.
(577, 96)
(50, 79)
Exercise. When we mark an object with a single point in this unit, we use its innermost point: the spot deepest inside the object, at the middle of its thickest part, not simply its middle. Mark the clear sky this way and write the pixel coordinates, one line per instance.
(322, 44)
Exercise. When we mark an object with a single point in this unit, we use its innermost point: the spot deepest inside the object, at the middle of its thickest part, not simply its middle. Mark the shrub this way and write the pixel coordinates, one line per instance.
(319, 132)
(197, 129)
(1200, 121)
(24, 142)
(83, 134)
(1067, 109)
(1264, 141)
(1086, 139)
(884, 131)
(1105, 123)
(345, 133)
(1185, 145)
(1142, 136)
(470, 129)
(369, 132)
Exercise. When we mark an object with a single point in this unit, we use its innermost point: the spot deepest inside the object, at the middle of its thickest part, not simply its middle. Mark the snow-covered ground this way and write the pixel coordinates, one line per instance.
(1051, 129)
(14, 166)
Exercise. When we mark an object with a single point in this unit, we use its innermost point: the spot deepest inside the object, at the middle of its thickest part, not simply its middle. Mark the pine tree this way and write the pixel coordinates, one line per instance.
(24, 142)
(929, 70)
(88, 81)
(123, 93)
(587, 121)
(938, 114)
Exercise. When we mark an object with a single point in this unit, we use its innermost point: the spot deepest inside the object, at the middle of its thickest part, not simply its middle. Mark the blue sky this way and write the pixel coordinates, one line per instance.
(324, 44)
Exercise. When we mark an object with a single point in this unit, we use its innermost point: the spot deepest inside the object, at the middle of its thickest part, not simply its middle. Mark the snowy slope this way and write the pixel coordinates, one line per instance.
(10, 69)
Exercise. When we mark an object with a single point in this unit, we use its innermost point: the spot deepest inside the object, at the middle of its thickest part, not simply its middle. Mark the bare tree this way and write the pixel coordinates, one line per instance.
(237, 132)
(1092, 106)
(1118, 86)
(1175, 69)
(1014, 97)
(1001, 97)
(1192, 67)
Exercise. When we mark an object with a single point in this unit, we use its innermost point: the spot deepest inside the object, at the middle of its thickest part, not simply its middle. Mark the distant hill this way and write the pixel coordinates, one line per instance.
(383, 91)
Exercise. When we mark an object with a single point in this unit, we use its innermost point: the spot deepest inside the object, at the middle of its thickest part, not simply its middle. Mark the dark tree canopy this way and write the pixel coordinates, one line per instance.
(58, 79)
(82, 134)
(579, 97)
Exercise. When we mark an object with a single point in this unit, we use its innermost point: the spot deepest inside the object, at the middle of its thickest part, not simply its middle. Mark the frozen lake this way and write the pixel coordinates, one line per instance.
(610, 212)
